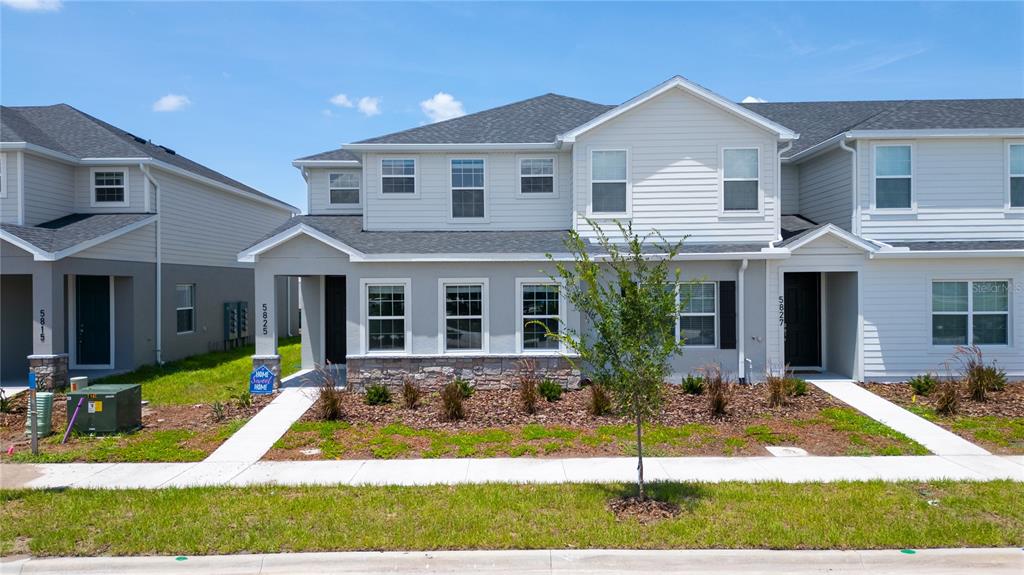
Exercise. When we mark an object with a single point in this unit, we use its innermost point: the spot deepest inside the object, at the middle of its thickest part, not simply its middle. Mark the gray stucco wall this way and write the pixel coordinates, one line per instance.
(15, 326)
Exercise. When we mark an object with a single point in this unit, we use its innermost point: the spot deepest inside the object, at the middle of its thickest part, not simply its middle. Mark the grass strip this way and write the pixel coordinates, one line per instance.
(293, 519)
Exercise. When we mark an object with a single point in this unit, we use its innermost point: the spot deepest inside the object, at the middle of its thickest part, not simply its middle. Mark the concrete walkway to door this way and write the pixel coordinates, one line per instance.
(934, 438)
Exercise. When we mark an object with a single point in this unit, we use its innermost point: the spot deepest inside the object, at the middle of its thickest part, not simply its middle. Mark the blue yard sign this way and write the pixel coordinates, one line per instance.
(31, 380)
(261, 382)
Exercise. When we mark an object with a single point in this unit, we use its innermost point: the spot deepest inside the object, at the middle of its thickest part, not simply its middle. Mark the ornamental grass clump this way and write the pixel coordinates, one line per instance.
(329, 395)
(412, 393)
(600, 400)
(947, 395)
(528, 393)
(777, 385)
(719, 391)
(978, 377)
(451, 402)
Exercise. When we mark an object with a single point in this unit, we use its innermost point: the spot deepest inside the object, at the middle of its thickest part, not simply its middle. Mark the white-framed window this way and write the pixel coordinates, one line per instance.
(1015, 153)
(537, 176)
(185, 308)
(386, 313)
(970, 312)
(343, 188)
(398, 176)
(3, 175)
(741, 179)
(609, 182)
(463, 315)
(468, 178)
(539, 309)
(698, 321)
(894, 177)
(109, 187)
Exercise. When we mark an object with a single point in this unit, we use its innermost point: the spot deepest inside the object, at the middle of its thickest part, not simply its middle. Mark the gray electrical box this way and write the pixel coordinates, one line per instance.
(243, 319)
(107, 408)
(230, 321)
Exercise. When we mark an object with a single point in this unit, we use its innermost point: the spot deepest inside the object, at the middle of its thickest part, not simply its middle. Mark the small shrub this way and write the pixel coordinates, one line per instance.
(796, 386)
(528, 392)
(328, 395)
(923, 384)
(600, 401)
(693, 384)
(243, 399)
(947, 396)
(778, 387)
(218, 409)
(411, 394)
(451, 402)
(377, 394)
(718, 388)
(465, 388)
(550, 390)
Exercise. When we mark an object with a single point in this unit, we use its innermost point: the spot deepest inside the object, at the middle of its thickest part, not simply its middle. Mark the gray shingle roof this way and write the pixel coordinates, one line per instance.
(819, 121)
(69, 231)
(793, 224)
(348, 229)
(65, 129)
(338, 155)
(956, 246)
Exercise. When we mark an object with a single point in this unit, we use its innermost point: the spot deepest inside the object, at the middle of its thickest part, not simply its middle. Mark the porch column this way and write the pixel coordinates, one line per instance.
(312, 315)
(264, 322)
(49, 360)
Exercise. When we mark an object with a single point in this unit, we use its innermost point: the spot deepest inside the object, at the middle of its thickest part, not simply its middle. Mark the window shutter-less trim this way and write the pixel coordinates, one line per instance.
(727, 315)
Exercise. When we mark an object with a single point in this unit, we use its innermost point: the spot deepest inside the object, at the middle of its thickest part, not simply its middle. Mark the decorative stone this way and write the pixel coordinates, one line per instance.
(51, 371)
(483, 372)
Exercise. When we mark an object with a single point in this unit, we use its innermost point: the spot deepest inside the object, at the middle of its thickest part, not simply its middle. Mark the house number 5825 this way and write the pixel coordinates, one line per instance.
(265, 315)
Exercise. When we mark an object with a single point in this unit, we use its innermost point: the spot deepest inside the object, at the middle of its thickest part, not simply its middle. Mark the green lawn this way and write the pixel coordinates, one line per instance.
(293, 519)
(861, 430)
(1003, 434)
(205, 378)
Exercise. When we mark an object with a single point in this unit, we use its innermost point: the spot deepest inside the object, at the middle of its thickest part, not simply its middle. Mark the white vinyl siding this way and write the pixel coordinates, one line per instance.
(135, 194)
(960, 192)
(826, 195)
(791, 189)
(674, 143)
(49, 189)
(9, 200)
(135, 246)
(3, 175)
(430, 208)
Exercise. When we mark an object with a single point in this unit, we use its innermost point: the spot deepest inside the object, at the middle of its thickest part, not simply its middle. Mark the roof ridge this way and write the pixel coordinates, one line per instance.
(930, 100)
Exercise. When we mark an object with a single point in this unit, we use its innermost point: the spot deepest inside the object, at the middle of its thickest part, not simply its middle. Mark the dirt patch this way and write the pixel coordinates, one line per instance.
(644, 511)
(1008, 402)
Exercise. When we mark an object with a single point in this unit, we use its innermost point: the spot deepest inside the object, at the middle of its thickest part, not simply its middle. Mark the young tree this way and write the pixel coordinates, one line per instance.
(627, 293)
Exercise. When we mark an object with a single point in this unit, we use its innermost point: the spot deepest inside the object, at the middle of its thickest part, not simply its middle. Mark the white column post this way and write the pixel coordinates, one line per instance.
(264, 321)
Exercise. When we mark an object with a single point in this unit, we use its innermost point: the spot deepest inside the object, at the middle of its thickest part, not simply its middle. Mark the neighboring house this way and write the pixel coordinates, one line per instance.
(116, 252)
(867, 239)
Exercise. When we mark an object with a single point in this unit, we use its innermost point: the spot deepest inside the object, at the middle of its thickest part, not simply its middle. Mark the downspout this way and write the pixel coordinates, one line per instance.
(158, 340)
(778, 191)
(740, 335)
(288, 303)
(855, 224)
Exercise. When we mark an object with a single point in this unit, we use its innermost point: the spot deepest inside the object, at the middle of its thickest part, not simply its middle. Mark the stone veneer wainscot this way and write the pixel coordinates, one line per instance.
(431, 372)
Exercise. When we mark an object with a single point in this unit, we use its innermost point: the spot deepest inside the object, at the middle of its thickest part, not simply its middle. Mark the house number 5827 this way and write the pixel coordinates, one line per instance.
(782, 311)
(265, 314)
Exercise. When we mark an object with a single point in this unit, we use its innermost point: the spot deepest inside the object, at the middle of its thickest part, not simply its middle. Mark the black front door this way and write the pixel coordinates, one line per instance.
(92, 320)
(334, 319)
(803, 319)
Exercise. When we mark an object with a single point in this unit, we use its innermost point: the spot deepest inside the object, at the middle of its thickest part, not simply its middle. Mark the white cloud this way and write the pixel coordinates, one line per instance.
(171, 103)
(34, 5)
(442, 106)
(369, 105)
(753, 100)
(341, 100)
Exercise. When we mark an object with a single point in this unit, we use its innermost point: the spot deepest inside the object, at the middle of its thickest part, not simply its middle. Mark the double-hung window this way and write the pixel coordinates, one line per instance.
(397, 176)
(185, 307)
(698, 301)
(1017, 175)
(536, 176)
(386, 312)
(609, 184)
(893, 177)
(740, 179)
(464, 316)
(109, 187)
(344, 188)
(540, 314)
(970, 312)
(467, 188)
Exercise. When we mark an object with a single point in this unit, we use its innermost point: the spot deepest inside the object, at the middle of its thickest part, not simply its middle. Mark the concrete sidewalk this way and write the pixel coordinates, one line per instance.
(504, 470)
(707, 562)
(936, 439)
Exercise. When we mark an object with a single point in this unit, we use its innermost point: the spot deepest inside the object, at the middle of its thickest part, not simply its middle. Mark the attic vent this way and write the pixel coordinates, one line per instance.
(168, 150)
(136, 138)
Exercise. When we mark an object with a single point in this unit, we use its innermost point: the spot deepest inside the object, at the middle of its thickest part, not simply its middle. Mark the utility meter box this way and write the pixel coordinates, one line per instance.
(243, 319)
(107, 408)
(230, 321)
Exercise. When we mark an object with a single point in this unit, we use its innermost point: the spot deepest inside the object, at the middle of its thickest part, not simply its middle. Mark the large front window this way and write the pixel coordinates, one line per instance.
(467, 188)
(740, 179)
(540, 316)
(970, 312)
(1017, 175)
(893, 181)
(697, 318)
(608, 182)
(397, 176)
(463, 317)
(385, 317)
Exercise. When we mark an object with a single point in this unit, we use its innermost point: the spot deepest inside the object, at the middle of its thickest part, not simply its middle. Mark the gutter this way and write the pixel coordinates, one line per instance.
(524, 146)
(158, 340)
(945, 254)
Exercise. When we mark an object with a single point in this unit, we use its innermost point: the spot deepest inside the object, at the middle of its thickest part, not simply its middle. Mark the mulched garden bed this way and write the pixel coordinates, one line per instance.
(192, 428)
(496, 425)
(997, 424)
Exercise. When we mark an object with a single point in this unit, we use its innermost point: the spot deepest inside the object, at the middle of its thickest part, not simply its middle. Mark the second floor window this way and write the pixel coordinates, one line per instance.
(467, 188)
(1017, 175)
(740, 179)
(397, 176)
(537, 175)
(893, 177)
(344, 188)
(608, 182)
(109, 187)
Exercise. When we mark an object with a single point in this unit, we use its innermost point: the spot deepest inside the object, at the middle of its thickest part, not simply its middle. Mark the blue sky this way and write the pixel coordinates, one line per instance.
(247, 86)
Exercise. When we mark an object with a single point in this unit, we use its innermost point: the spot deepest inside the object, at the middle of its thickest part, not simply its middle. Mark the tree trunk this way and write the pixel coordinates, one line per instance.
(640, 458)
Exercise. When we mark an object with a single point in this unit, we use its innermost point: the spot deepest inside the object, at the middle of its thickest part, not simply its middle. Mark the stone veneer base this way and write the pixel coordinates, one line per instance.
(431, 372)
(51, 371)
(271, 361)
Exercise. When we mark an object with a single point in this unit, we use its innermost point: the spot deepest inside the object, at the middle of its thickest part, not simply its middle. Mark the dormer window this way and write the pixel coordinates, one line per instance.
(109, 187)
(893, 177)
(344, 188)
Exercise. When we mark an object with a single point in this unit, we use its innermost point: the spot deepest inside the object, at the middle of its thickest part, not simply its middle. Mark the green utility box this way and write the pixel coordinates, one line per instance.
(107, 408)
